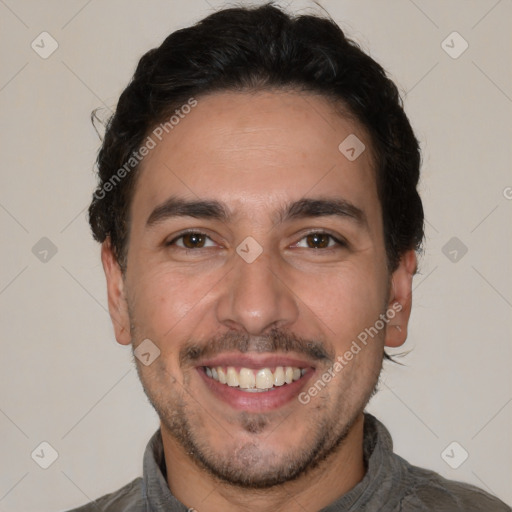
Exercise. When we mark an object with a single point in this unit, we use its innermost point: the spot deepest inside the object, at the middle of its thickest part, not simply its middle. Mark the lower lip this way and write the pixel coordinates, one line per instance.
(256, 402)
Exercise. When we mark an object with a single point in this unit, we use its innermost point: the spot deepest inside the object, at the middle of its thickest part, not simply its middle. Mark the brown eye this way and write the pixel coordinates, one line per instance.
(318, 240)
(192, 240)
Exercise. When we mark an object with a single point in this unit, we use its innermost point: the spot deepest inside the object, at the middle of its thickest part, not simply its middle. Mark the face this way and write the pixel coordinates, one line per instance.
(256, 258)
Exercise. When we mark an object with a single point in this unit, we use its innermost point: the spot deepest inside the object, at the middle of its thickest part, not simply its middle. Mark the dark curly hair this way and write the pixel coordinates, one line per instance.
(251, 49)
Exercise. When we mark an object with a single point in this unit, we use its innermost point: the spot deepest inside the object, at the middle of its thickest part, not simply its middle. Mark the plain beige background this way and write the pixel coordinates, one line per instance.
(67, 382)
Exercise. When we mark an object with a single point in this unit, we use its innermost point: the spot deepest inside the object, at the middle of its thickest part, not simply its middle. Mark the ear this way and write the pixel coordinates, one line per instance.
(400, 300)
(117, 305)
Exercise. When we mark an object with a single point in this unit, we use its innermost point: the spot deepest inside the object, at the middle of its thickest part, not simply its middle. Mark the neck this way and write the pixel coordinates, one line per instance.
(330, 480)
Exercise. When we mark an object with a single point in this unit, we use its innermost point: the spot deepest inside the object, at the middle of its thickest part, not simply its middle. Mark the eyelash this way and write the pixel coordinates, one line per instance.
(340, 243)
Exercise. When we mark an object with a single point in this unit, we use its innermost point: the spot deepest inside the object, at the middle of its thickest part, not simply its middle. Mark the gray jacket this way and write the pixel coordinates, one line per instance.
(390, 484)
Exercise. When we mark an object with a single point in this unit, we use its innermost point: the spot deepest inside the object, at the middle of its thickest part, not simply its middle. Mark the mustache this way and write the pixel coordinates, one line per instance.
(277, 340)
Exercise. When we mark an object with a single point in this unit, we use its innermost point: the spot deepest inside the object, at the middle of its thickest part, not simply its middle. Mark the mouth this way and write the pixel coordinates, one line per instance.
(252, 380)
(256, 384)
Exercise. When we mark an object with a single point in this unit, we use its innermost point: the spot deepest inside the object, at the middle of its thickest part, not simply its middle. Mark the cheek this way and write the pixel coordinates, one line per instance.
(348, 301)
(167, 302)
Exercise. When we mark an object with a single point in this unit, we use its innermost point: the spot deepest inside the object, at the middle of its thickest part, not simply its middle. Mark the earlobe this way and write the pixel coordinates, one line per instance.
(117, 305)
(400, 300)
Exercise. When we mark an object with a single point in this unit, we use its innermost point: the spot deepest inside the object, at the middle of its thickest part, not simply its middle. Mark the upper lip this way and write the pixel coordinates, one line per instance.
(256, 361)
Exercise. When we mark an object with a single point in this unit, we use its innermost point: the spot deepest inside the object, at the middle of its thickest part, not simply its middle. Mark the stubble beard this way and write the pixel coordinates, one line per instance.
(247, 466)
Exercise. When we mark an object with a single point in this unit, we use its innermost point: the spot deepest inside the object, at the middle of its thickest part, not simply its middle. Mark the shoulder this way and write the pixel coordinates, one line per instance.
(427, 490)
(126, 499)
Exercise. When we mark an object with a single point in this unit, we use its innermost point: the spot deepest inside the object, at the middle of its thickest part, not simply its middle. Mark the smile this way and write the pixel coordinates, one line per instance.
(254, 380)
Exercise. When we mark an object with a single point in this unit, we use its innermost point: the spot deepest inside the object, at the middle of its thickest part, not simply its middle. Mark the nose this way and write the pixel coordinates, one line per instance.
(256, 297)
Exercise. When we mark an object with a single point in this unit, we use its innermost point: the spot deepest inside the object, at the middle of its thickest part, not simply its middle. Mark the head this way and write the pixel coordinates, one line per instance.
(258, 211)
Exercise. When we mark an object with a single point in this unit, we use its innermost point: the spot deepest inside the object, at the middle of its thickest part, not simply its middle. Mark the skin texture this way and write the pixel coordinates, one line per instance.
(255, 153)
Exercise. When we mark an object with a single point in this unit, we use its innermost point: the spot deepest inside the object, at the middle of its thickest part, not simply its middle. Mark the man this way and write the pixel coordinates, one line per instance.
(259, 221)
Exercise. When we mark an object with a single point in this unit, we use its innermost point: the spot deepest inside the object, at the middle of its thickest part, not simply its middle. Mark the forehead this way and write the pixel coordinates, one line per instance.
(257, 150)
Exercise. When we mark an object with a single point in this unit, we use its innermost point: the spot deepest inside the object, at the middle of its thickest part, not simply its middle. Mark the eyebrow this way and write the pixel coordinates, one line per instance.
(211, 209)
(176, 207)
(306, 208)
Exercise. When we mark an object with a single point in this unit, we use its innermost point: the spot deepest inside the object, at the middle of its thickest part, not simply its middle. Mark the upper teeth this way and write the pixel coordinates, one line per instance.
(247, 378)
